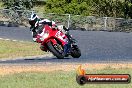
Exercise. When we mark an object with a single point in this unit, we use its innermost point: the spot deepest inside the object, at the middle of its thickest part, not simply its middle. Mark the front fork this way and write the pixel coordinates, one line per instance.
(68, 46)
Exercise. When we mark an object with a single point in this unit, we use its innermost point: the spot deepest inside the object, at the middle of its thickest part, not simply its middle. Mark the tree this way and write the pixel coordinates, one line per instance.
(128, 8)
(77, 7)
(19, 4)
(109, 8)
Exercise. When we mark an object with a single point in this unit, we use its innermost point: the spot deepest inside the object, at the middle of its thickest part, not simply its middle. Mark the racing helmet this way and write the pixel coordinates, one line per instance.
(33, 19)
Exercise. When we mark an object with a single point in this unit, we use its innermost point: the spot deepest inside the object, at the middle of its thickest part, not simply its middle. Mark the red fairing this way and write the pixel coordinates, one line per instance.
(52, 35)
(38, 39)
(53, 41)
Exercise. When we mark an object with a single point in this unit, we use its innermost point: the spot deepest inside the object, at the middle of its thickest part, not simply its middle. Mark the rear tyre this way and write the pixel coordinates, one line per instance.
(55, 51)
(76, 52)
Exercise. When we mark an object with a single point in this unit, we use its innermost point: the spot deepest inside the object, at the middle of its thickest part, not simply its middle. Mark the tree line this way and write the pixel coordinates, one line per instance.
(109, 8)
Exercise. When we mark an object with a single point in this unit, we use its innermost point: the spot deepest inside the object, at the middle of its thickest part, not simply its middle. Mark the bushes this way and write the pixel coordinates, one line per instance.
(109, 8)
(19, 4)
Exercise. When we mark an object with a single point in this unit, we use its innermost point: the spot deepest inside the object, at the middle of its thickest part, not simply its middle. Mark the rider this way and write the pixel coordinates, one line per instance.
(35, 23)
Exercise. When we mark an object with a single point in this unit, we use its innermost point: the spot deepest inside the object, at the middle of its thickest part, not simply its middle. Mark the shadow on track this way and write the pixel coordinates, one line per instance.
(34, 60)
(46, 59)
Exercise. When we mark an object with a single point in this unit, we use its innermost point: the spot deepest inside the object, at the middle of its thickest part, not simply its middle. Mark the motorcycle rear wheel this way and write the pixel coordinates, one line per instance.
(55, 51)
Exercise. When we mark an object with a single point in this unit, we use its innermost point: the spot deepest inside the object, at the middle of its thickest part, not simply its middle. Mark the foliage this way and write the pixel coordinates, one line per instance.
(128, 8)
(76, 7)
(110, 8)
(19, 4)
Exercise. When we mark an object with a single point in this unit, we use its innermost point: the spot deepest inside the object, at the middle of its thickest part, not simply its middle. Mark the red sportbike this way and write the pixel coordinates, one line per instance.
(54, 40)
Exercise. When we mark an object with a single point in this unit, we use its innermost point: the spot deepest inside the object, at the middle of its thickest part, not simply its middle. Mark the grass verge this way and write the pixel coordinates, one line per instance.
(11, 49)
(58, 79)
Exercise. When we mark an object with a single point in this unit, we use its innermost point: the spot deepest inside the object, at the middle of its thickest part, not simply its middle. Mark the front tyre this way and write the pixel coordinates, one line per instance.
(76, 52)
(54, 50)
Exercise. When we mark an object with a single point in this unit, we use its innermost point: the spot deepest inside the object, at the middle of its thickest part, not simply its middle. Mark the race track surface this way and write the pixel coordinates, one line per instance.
(96, 46)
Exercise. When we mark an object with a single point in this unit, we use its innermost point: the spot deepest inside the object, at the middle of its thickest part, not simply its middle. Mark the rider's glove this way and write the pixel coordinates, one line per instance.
(66, 29)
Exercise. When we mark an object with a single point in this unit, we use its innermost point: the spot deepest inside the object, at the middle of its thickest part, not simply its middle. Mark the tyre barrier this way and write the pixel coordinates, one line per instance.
(8, 24)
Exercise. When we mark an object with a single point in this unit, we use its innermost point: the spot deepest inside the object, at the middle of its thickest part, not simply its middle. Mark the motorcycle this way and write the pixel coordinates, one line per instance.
(54, 40)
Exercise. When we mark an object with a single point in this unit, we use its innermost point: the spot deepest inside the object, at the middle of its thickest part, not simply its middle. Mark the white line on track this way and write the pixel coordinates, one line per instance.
(10, 40)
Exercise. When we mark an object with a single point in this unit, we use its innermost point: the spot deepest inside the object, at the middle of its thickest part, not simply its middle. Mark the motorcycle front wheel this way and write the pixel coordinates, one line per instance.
(76, 52)
(55, 50)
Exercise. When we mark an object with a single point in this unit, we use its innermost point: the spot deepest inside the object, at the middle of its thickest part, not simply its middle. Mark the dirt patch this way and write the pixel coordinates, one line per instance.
(11, 69)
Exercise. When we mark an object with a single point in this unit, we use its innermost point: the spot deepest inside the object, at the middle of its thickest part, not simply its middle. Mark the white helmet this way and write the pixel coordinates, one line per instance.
(33, 19)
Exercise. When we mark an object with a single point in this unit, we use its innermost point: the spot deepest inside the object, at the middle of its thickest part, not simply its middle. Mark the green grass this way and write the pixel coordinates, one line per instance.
(10, 49)
(58, 79)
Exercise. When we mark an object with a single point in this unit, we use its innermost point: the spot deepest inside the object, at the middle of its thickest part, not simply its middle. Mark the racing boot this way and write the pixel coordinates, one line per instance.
(66, 49)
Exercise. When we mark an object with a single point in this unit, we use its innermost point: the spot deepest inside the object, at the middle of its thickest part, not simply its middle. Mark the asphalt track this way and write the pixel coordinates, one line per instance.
(96, 46)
